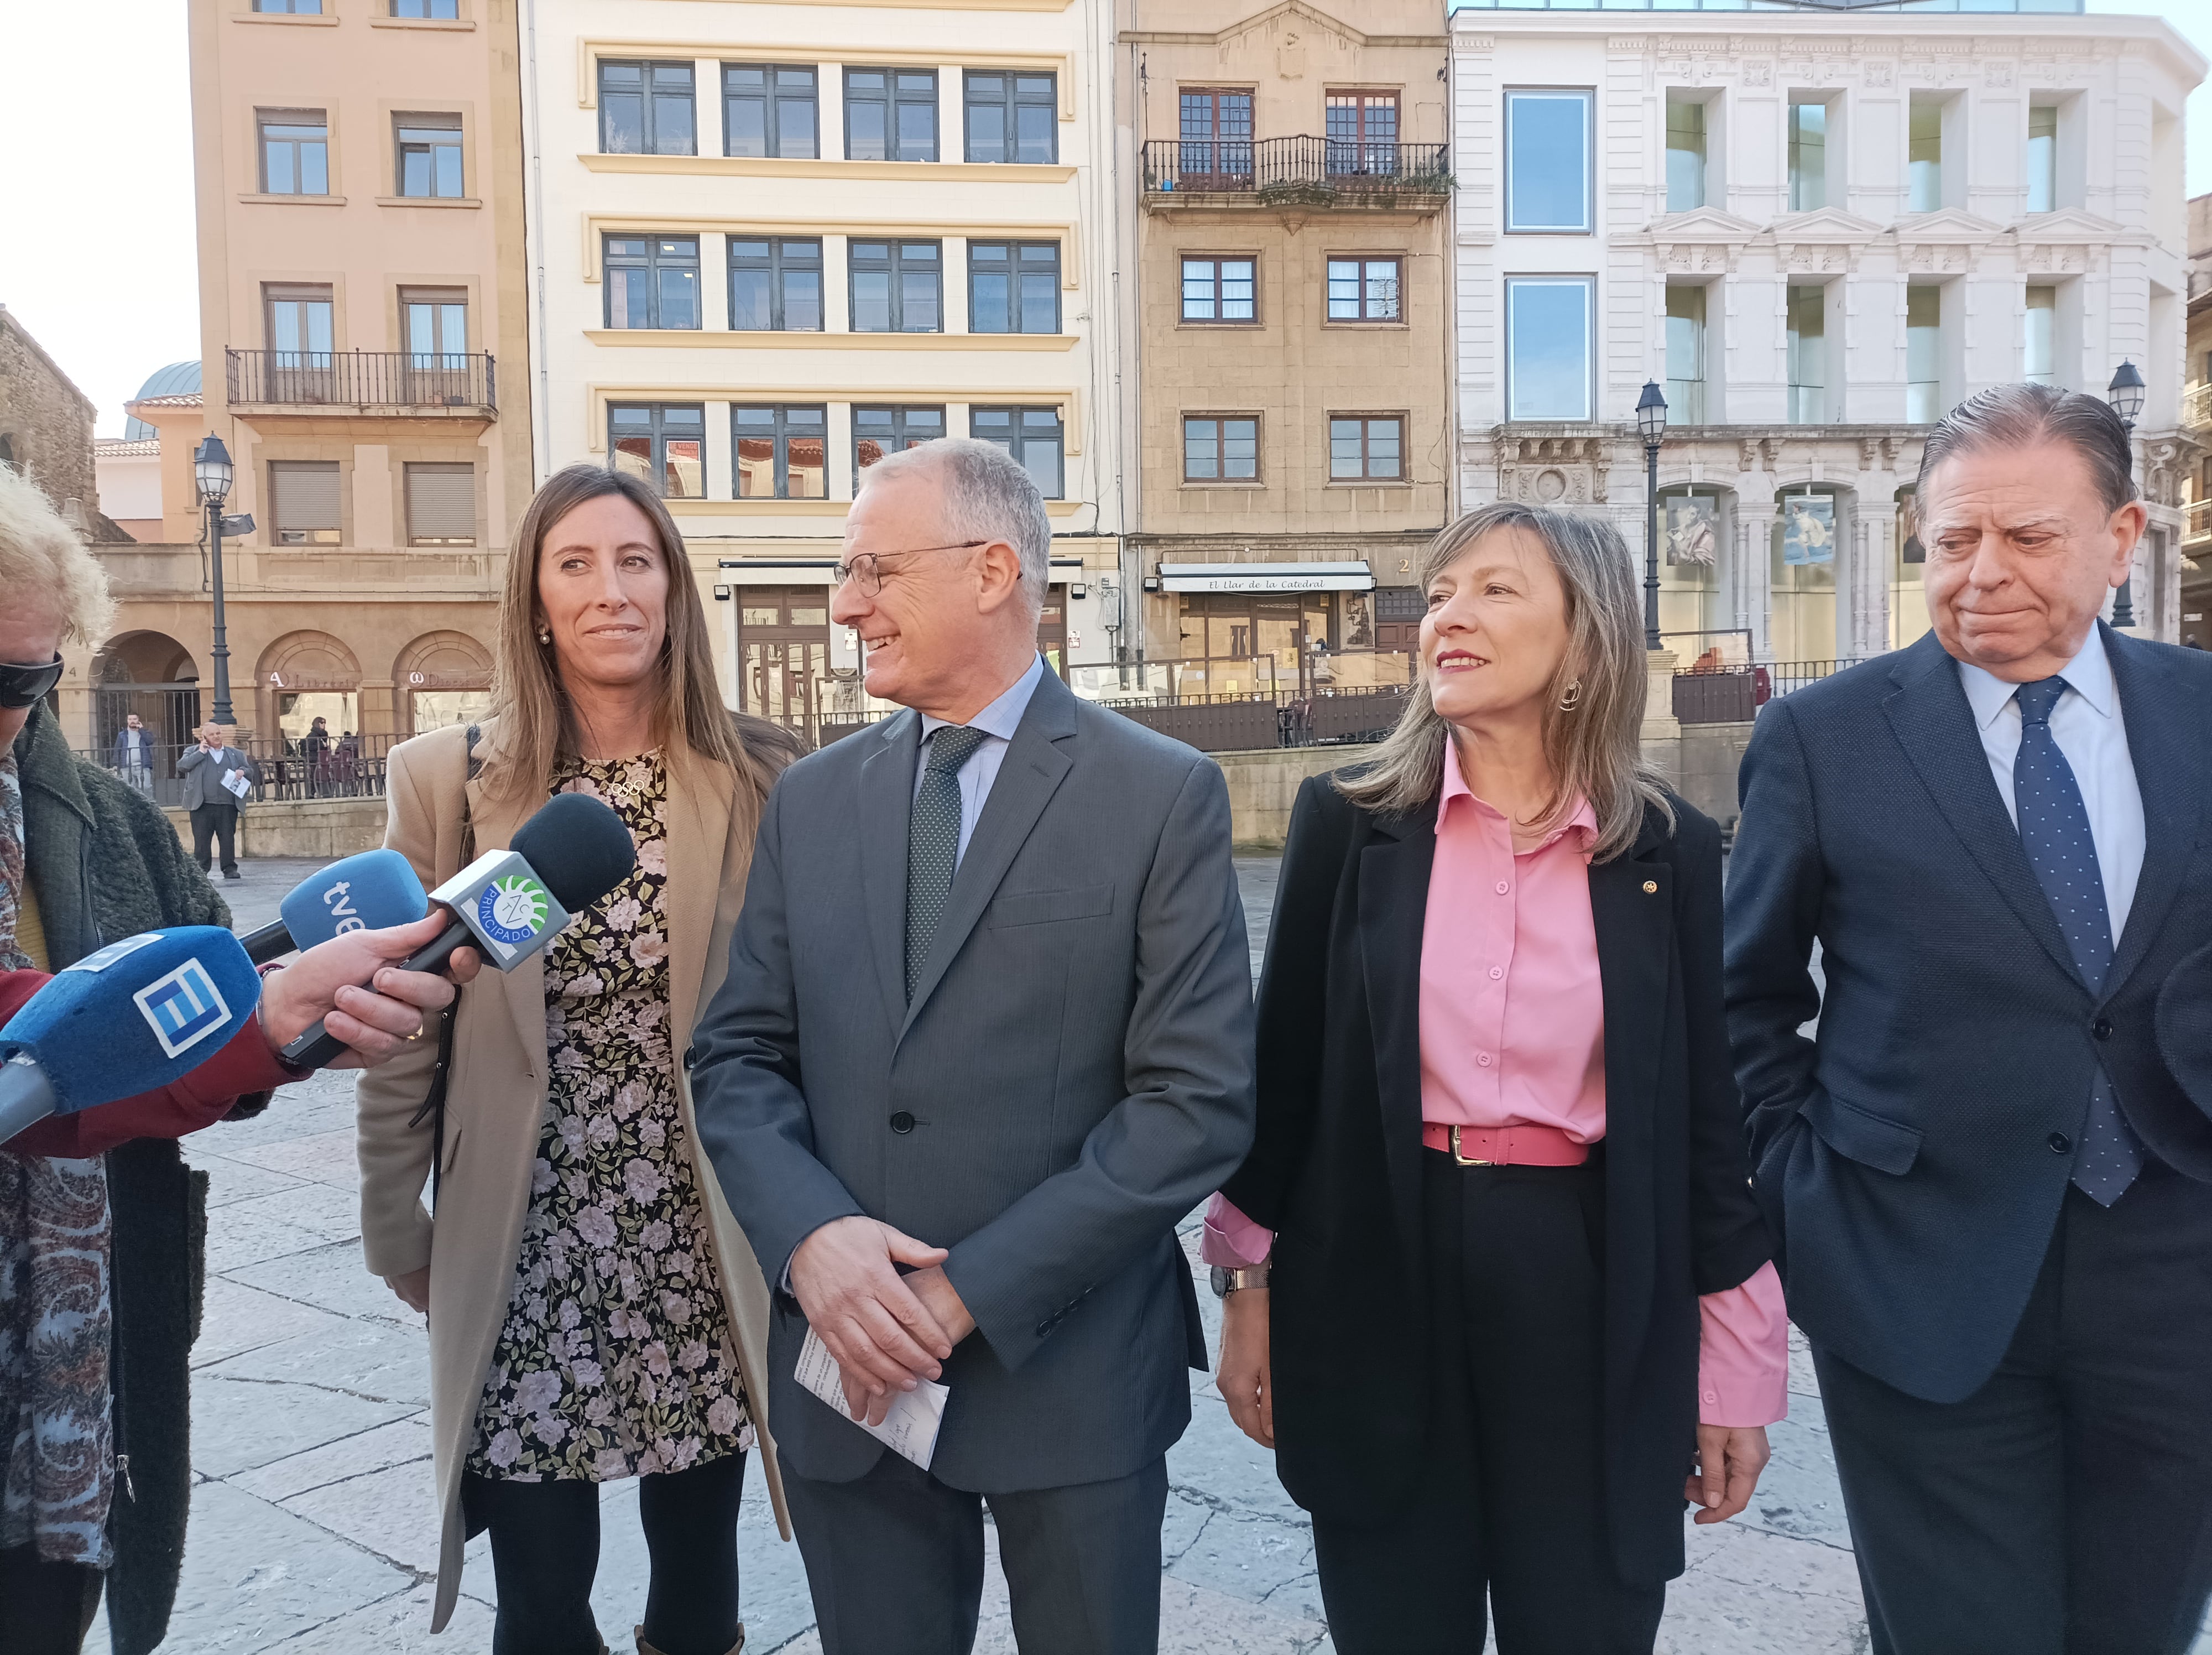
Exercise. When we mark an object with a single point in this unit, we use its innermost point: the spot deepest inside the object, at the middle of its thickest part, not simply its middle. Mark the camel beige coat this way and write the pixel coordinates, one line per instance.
(496, 1107)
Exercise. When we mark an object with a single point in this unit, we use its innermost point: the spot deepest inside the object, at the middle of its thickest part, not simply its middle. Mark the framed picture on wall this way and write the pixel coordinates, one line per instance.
(1808, 529)
(1693, 525)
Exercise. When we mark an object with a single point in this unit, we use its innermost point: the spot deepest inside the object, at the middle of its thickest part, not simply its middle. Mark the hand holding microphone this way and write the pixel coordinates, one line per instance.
(367, 892)
(373, 1023)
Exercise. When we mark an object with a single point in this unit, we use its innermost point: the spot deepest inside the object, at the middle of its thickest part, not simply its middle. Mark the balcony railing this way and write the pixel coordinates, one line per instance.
(1322, 171)
(2196, 407)
(362, 379)
(2197, 527)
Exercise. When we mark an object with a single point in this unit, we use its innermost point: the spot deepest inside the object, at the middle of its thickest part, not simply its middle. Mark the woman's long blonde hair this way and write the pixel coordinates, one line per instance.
(1594, 748)
(690, 726)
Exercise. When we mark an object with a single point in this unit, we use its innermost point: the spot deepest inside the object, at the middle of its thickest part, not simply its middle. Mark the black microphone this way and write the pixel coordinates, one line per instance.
(509, 903)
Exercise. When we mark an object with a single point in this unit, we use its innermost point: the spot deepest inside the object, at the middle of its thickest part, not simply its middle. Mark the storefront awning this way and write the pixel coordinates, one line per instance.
(1266, 577)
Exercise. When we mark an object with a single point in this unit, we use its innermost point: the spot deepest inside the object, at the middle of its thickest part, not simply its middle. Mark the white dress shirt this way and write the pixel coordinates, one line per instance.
(998, 721)
(2090, 732)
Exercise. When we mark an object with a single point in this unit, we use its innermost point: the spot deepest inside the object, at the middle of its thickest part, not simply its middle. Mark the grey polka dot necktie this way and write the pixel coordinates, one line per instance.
(932, 842)
(2054, 829)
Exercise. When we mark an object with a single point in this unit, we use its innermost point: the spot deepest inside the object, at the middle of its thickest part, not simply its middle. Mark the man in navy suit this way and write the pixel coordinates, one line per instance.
(1990, 1187)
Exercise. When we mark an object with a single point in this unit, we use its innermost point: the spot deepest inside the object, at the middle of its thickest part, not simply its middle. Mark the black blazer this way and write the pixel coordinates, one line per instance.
(1334, 1167)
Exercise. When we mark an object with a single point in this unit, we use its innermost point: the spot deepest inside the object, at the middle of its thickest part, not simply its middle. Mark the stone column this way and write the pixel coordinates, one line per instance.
(1872, 534)
(1754, 573)
(1663, 732)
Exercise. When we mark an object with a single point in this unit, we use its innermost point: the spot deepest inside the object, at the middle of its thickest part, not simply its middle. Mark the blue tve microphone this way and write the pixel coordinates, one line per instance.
(135, 1016)
(367, 892)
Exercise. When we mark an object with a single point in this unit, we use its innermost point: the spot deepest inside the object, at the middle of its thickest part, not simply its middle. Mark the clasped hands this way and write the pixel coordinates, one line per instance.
(888, 1331)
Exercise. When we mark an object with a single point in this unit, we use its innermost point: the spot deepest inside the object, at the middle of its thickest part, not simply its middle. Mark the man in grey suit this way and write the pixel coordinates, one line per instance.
(209, 800)
(989, 1020)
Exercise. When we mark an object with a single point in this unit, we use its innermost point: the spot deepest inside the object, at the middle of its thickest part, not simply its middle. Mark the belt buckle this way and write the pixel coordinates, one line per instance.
(1464, 1160)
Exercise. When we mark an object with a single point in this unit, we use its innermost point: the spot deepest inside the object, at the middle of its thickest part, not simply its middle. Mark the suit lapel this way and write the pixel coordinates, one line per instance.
(497, 819)
(886, 802)
(1393, 905)
(2159, 730)
(697, 831)
(1935, 724)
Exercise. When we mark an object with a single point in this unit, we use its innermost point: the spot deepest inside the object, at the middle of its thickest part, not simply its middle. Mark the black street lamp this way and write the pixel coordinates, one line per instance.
(2125, 393)
(211, 468)
(1652, 425)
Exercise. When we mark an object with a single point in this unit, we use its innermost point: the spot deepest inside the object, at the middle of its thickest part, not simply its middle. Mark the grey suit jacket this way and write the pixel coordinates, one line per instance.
(1072, 1077)
(203, 772)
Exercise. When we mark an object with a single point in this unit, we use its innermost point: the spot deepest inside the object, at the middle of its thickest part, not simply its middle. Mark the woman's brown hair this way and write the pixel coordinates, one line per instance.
(690, 725)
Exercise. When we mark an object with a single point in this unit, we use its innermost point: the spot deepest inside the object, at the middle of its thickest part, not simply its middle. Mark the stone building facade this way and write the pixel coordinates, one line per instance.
(45, 430)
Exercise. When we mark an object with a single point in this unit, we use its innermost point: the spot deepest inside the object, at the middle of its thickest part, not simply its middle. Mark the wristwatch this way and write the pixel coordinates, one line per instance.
(1227, 1282)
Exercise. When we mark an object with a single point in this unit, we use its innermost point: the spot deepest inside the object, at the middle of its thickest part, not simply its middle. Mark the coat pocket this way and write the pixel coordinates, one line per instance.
(1042, 907)
(1860, 1134)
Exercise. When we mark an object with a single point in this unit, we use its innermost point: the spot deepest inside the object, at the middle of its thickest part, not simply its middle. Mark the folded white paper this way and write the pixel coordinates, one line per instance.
(236, 782)
(910, 1430)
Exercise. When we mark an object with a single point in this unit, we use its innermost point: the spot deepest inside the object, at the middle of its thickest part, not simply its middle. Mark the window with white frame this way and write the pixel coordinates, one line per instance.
(1807, 326)
(1685, 153)
(1220, 290)
(2039, 340)
(1364, 290)
(1923, 353)
(1547, 162)
(1034, 436)
(1686, 354)
(429, 162)
(1548, 347)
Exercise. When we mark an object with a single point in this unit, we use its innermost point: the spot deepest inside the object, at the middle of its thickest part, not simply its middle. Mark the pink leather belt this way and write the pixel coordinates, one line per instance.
(1504, 1146)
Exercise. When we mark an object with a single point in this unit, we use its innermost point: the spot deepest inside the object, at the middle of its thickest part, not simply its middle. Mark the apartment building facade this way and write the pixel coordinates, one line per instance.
(1817, 231)
(773, 243)
(1286, 199)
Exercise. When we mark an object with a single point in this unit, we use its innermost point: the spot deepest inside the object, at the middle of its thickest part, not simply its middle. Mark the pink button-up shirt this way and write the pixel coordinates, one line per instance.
(1513, 1033)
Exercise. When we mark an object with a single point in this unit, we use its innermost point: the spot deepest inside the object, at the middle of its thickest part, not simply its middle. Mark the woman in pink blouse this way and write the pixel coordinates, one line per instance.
(1496, 1290)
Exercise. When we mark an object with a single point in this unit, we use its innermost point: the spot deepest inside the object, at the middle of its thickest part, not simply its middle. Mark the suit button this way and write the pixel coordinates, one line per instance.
(902, 1121)
(2060, 1143)
(2102, 1028)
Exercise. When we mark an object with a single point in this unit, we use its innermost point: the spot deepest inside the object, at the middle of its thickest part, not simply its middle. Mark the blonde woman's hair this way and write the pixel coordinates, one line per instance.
(41, 557)
(1594, 748)
(690, 726)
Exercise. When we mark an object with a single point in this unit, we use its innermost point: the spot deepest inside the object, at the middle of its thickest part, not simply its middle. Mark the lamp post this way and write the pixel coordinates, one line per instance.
(2125, 393)
(211, 469)
(1652, 425)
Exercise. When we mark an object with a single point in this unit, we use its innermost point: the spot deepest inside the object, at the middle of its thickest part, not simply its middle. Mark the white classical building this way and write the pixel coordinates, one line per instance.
(772, 242)
(1817, 229)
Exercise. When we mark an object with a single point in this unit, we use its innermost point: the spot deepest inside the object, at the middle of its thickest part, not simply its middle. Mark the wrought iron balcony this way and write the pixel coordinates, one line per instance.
(1295, 172)
(2196, 407)
(2197, 528)
(384, 381)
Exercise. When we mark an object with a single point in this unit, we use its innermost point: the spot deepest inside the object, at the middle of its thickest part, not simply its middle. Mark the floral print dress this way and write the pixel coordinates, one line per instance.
(616, 1358)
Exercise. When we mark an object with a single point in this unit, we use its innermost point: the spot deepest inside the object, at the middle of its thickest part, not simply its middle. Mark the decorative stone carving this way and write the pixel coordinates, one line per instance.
(1758, 72)
(1880, 74)
(1997, 75)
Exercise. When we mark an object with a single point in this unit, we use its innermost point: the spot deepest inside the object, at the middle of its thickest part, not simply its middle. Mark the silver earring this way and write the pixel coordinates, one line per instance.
(545, 633)
(1573, 698)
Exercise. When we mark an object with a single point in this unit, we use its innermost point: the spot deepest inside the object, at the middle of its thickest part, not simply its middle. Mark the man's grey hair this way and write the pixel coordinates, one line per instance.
(987, 497)
(2019, 415)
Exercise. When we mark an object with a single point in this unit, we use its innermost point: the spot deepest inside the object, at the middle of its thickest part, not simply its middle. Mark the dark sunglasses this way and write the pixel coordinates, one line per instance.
(23, 687)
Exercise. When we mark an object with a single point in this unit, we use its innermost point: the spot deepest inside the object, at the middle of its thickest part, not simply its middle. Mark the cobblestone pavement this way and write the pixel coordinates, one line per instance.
(314, 1525)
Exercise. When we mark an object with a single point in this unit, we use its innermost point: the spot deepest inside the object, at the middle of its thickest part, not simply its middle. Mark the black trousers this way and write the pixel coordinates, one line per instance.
(215, 825)
(2065, 1508)
(1514, 1499)
(895, 1562)
(546, 1552)
(45, 1608)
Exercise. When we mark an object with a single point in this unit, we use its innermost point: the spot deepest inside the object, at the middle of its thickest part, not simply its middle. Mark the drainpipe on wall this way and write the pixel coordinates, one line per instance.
(540, 461)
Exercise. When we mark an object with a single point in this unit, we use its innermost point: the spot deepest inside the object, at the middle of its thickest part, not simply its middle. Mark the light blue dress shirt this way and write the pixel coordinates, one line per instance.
(998, 721)
(2090, 732)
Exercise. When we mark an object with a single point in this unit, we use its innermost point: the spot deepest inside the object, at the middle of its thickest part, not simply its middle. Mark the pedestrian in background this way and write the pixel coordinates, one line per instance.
(134, 754)
(1516, 1289)
(1988, 1169)
(594, 1312)
(218, 777)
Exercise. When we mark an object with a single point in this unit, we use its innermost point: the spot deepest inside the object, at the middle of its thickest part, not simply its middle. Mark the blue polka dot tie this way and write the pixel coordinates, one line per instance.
(932, 842)
(2054, 829)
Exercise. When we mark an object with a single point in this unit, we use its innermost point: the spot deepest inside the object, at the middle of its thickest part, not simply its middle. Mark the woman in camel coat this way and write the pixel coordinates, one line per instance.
(594, 1309)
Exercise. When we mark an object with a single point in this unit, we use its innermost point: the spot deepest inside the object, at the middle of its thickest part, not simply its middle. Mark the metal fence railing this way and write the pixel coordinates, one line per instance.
(362, 379)
(2196, 524)
(1711, 693)
(345, 766)
(1303, 167)
(2196, 407)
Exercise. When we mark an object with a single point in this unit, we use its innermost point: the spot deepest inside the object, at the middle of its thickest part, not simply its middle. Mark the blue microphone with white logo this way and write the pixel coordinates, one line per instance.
(132, 1017)
(371, 892)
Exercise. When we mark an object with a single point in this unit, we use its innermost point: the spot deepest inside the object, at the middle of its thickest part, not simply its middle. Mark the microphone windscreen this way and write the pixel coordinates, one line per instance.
(136, 1015)
(577, 847)
(368, 892)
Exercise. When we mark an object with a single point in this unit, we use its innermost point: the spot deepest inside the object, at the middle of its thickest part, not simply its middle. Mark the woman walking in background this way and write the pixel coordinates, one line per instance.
(1517, 1288)
(594, 1311)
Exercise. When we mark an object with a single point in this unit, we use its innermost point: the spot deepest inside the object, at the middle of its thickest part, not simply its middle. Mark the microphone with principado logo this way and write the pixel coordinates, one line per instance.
(510, 903)
(131, 1017)
(368, 892)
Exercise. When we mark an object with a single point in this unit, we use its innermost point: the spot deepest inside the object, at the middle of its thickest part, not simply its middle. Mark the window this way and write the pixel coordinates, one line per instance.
(1807, 317)
(1012, 117)
(782, 453)
(645, 109)
(1218, 449)
(1363, 290)
(880, 431)
(2038, 352)
(1548, 160)
(296, 152)
(1924, 157)
(436, 323)
(890, 114)
(1363, 448)
(652, 281)
(1219, 291)
(290, 8)
(1686, 155)
(776, 286)
(1808, 156)
(303, 501)
(1013, 287)
(1362, 131)
(1216, 130)
(300, 326)
(1547, 347)
(441, 505)
(1924, 354)
(1031, 435)
(1686, 354)
(429, 155)
(898, 287)
(449, 10)
(2042, 158)
(663, 443)
(769, 109)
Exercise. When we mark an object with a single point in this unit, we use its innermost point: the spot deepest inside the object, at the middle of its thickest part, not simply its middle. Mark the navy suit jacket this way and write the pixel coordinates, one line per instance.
(1912, 1154)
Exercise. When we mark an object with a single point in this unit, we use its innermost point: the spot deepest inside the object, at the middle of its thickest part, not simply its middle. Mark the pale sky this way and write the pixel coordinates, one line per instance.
(97, 257)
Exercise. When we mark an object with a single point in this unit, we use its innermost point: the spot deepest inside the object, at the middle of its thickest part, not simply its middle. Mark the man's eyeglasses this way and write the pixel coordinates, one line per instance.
(24, 686)
(868, 567)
